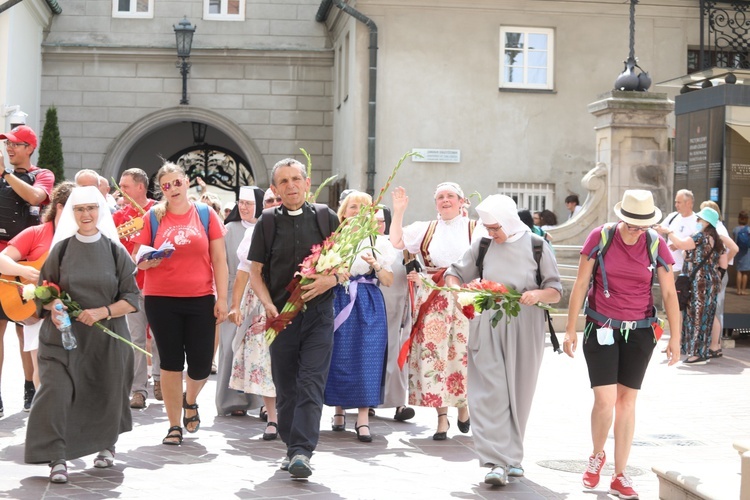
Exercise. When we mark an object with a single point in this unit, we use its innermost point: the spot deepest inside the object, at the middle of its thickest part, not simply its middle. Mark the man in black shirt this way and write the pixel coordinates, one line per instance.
(301, 354)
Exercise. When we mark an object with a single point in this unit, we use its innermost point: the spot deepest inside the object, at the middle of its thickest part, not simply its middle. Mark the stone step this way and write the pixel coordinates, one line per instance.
(694, 482)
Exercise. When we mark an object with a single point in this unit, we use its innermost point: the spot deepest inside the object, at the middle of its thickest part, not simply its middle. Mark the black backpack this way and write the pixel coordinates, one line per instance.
(536, 245)
(15, 212)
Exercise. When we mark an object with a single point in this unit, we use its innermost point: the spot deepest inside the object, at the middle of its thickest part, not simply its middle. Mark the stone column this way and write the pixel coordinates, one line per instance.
(632, 140)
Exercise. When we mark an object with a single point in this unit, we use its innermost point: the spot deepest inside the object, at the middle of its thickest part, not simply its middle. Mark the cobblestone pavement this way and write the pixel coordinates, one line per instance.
(686, 417)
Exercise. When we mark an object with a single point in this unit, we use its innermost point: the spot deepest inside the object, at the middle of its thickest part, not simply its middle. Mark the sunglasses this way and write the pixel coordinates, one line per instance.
(168, 185)
(271, 200)
(638, 228)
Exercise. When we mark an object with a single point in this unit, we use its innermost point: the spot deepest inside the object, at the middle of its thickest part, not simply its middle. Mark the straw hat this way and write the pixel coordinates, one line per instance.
(637, 208)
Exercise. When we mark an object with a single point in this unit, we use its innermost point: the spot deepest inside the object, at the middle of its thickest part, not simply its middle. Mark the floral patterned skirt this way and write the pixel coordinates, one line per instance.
(251, 365)
(438, 358)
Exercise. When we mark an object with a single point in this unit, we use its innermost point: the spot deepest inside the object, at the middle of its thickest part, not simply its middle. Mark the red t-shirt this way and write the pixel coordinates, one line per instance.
(628, 277)
(34, 241)
(44, 179)
(188, 272)
(122, 216)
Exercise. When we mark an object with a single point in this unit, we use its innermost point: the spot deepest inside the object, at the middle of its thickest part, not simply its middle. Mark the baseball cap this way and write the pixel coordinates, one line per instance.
(22, 133)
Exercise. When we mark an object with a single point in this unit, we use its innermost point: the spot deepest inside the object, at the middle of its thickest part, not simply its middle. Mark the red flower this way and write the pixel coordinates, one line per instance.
(432, 400)
(50, 284)
(456, 383)
(468, 311)
(439, 304)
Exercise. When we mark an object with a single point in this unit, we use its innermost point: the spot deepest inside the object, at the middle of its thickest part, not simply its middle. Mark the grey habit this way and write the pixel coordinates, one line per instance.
(229, 400)
(398, 312)
(502, 375)
(83, 405)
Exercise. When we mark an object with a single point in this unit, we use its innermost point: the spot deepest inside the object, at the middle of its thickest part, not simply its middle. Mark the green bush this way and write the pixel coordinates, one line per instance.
(50, 149)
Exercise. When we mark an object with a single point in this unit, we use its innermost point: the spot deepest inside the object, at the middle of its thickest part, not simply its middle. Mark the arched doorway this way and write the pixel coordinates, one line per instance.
(170, 134)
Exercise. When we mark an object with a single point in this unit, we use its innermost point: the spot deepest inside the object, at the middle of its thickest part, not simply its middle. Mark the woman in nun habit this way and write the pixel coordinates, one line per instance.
(504, 360)
(83, 404)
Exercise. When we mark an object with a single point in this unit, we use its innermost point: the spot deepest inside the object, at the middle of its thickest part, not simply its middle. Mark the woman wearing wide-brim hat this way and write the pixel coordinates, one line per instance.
(621, 325)
(704, 254)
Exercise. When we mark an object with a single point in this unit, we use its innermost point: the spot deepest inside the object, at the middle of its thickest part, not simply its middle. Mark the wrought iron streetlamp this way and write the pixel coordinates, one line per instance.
(628, 79)
(184, 34)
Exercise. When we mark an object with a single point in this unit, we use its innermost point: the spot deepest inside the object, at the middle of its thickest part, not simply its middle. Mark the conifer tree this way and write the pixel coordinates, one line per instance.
(50, 149)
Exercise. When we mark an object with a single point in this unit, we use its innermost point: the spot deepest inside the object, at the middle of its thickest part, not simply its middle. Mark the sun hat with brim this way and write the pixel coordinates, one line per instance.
(709, 215)
(637, 208)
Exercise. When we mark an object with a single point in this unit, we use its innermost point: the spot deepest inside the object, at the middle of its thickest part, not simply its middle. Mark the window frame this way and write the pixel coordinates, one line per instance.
(526, 31)
(132, 14)
(532, 196)
(223, 16)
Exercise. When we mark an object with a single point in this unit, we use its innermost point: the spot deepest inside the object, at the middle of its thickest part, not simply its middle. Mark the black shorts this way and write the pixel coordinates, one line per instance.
(622, 362)
(184, 329)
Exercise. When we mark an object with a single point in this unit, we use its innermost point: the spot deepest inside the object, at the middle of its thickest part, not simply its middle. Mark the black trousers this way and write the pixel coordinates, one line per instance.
(300, 358)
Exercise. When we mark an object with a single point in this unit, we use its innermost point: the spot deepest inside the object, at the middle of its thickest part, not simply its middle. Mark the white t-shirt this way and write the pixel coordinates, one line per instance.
(683, 227)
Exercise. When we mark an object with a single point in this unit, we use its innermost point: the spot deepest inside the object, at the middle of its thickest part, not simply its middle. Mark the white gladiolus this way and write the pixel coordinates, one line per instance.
(27, 292)
(465, 298)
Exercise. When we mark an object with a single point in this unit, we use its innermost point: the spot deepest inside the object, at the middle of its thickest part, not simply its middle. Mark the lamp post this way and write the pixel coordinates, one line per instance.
(628, 80)
(184, 34)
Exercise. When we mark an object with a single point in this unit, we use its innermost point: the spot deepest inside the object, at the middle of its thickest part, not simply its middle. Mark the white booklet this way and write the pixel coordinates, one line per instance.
(150, 253)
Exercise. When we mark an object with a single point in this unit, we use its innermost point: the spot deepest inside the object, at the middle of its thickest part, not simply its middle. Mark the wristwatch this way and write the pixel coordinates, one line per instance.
(8, 170)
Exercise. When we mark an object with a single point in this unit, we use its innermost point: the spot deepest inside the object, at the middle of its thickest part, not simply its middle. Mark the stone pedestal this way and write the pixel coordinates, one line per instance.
(632, 140)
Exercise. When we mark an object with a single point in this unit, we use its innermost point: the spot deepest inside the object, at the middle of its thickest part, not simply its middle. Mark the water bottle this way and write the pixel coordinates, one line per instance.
(68, 339)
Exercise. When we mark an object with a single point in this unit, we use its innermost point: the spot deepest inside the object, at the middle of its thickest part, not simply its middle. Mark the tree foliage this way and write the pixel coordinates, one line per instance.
(50, 149)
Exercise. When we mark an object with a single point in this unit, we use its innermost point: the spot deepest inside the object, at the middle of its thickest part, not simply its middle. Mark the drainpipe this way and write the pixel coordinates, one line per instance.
(321, 16)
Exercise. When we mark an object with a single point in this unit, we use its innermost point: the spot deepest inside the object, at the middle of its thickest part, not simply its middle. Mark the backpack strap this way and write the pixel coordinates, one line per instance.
(537, 243)
(204, 214)
(672, 218)
(607, 235)
(424, 247)
(652, 242)
(324, 223)
(484, 244)
(154, 223)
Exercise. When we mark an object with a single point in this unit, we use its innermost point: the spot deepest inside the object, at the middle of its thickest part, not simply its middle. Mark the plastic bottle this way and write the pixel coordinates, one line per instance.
(68, 339)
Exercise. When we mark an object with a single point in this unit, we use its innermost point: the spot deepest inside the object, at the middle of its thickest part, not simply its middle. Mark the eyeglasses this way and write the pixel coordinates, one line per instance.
(86, 209)
(16, 144)
(245, 203)
(168, 185)
(638, 228)
(494, 229)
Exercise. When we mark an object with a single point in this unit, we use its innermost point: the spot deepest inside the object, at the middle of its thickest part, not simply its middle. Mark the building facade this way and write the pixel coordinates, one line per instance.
(495, 92)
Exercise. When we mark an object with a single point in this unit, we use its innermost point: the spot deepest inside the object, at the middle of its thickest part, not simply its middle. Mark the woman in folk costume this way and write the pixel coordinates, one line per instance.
(437, 355)
(250, 370)
(360, 338)
(504, 360)
(398, 312)
(239, 223)
(83, 404)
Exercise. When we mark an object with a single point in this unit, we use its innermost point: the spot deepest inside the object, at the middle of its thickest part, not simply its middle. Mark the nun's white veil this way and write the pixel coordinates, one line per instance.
(502, 210)
(86, 195)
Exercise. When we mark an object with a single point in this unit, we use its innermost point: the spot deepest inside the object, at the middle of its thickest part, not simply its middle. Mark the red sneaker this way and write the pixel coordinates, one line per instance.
(591, 476)
(622, 487)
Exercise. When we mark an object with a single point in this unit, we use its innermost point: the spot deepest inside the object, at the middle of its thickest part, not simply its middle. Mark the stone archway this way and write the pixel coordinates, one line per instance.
(123, 143)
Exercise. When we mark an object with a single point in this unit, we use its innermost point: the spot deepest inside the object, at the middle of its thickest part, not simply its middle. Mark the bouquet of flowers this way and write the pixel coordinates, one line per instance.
(48, 292)
(484, 295)
(336, 254)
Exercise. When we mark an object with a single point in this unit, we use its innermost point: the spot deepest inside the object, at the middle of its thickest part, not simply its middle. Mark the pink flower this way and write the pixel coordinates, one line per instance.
(435, 332)
(456, 383)
(431, 400)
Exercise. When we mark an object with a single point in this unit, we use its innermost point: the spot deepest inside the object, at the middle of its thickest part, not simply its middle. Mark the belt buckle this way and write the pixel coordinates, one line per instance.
(629, 325)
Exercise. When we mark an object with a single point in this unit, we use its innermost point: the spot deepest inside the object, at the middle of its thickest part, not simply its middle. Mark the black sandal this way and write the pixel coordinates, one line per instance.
(441, 436)
(263, 414)
(195, 418)
(270, 436)
(173, 433)
(715, 354)
(336, 427)
(364, 438)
